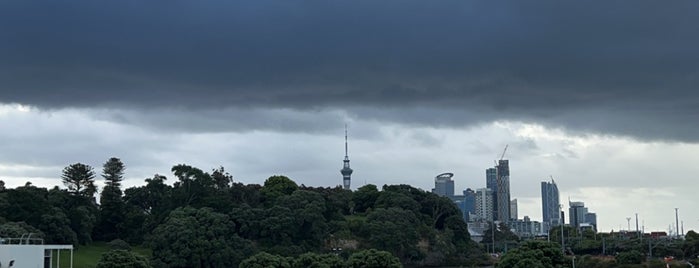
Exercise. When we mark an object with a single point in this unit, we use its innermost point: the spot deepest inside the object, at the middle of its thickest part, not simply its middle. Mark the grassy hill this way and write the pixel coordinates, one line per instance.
(88, 256)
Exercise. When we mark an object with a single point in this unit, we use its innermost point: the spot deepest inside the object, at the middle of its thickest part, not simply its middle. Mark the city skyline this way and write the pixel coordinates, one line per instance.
(529, 200)
(605, 105)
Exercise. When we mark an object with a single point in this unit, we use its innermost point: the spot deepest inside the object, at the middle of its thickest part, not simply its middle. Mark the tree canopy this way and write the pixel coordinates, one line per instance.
(80, 179)
(205, 219)
(193, 237)
(119, 258)
(534, 254)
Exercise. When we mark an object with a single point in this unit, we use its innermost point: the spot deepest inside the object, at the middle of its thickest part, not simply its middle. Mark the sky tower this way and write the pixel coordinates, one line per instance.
(346, 171)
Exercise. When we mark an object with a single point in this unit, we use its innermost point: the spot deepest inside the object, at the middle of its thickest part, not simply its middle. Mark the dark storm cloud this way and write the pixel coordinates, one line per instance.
(621, 67)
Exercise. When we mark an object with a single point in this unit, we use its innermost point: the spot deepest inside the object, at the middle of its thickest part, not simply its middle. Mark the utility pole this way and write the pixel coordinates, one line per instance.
(563, 244)
(639, 234)
(628, 224)
(493, 235)
(604, 246)
(677, 224)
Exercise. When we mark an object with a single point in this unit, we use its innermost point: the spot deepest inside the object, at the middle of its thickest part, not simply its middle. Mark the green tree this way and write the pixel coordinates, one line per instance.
(278, 231)
(56, 226)
(307, 210)
(338, 201)
(119, 258)
(569, 232)
(112, 207)
(314, 260)
(113, 172)
(247, 194)
(266, 260)
(502, 235)
(247, 221)
(373, 258)
(80, 179)
(26, 203)
(365, 197)
(277, 186)
(82, 221)
(394, 230)
(439, 208)
(80, 210)
(193, 187)
(222, 179)
(534, 253)
(690, 246)
(197, 238)
(388, 199)
(146, 207)
(19, 229)
(629, 257)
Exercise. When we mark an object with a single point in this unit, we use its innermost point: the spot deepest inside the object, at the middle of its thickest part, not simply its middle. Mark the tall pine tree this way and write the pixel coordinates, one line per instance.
(80, 179)
(112, 208)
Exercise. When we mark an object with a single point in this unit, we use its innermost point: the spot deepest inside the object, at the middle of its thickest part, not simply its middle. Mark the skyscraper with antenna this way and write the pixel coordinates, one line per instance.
(346, 171)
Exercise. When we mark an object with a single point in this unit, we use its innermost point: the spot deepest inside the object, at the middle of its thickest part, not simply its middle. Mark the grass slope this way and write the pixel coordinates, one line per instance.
(88, 256)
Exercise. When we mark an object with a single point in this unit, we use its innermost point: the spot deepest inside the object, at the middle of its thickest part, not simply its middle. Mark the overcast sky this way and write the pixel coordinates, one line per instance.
(601, 95)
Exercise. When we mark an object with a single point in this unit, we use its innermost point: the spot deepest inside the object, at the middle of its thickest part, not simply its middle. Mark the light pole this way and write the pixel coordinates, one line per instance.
(628, 224)
(639, 234)
(677, 224)
(604, 246)
(492, 233)
(563, 244)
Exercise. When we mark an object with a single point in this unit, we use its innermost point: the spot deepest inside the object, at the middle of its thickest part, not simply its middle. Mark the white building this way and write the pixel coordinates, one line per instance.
(32, 253)
(484, 204)
(527, 228)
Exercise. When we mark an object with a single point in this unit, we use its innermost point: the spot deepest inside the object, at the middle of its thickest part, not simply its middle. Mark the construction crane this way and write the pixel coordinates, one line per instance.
(502, 156)
(503, 152)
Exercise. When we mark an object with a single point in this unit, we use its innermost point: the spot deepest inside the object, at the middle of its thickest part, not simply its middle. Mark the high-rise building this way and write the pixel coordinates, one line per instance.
(469, 205)
(491, 182)
(526, 227)
(550, 203)
(513, 209)
(576, 213)
(346, 171)
(503, 191)
(591, 218)
(444, 185)
(484, 204)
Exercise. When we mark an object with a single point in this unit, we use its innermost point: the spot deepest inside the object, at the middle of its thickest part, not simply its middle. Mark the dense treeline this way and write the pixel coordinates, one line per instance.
(205, 219)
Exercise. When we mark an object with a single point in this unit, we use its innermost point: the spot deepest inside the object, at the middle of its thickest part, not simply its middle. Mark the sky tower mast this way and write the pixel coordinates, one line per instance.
(346, 171)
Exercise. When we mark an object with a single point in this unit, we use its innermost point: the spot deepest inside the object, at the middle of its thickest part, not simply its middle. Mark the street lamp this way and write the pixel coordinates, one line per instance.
(563, 244)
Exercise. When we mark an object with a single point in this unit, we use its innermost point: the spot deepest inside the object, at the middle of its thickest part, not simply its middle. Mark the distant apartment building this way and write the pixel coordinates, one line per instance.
(484, 204)
(550, 203)
(525, 228)
(513, 209)
(491, 182)
(591, 218)
(576, 213)
(503, 193)
(579, 216)
(468, 207)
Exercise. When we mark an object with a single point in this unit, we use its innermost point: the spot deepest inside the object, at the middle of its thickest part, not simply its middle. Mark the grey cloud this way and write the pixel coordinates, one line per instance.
(602, 66)
(226, 119)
